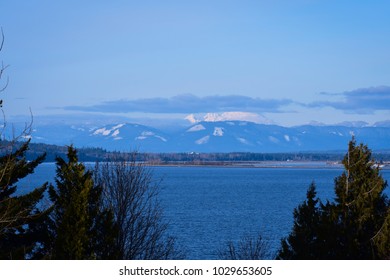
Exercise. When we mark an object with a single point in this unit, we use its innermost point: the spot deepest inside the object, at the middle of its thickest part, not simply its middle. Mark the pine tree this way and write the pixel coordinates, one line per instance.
(19, 214)
(382, 239)
(302, 241)
(356, 225)
(360, 207)
(80, 228)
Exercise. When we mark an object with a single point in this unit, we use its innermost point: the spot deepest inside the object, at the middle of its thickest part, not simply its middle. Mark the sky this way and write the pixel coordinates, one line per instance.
(290, 62)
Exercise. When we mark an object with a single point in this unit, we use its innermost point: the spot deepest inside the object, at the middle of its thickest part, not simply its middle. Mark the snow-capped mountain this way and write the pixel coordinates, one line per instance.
(251, 137)
(127, 137)
(229, 116)
(215, 136)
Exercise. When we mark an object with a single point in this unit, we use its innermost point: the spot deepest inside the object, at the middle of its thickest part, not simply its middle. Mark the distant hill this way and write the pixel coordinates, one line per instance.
(98, 154)
(214, 137)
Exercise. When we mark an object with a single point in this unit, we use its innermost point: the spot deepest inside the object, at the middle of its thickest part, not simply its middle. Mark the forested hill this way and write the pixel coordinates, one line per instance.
(99, 154)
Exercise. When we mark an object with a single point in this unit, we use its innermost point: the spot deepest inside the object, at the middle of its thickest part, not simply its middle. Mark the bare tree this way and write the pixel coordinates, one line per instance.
(247, 248)
(131, 193)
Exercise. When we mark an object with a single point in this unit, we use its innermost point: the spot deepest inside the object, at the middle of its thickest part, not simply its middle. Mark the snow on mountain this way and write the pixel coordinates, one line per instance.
(203, 140)
(192, 119)
(229, 116)
(126, 137)
(197, 127)
(243, 141)
(113, 131)
(147, 134)
(218, 131)
(216, 136)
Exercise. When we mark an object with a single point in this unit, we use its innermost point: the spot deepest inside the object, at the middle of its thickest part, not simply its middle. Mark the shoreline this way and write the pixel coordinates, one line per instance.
(249, 164)
(263, 165)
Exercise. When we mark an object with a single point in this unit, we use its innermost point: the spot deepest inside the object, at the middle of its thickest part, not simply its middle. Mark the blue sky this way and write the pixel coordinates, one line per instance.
(291, 61)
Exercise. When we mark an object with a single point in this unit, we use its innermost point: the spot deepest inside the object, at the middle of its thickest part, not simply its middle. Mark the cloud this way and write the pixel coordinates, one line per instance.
(187, 103)
(362, 101)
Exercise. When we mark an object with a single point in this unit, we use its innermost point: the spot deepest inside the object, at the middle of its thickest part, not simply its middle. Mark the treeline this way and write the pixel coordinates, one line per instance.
(99, 154)
(240, 157)
(54, 151)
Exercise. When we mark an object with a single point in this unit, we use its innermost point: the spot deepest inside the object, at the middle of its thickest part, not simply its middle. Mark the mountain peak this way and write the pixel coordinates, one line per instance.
(229, 116)
(192, 119)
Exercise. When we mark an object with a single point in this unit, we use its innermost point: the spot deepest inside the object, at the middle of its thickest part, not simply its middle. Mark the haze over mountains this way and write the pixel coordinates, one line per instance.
(214, 132)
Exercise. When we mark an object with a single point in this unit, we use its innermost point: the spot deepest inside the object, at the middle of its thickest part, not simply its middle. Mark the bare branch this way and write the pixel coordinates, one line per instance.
(130, 192)
(2, 69)
(247, 248)
(2, 38)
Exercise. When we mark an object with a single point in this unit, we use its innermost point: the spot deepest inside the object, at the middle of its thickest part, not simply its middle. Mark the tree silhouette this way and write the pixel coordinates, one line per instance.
(131, 194)
(302, 241)
(247, 248)
(354, 226)
(80, 228)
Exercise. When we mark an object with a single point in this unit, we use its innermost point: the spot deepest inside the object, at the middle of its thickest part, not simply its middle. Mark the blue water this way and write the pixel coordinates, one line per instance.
(207, 206)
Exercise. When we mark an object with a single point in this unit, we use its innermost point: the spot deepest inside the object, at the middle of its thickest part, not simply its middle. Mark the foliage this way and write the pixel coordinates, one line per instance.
(18, 213)
(302, 241)
(354, 226)
(80, 228)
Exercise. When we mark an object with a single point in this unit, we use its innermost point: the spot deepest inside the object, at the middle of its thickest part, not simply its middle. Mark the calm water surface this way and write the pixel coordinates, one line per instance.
(207, 206)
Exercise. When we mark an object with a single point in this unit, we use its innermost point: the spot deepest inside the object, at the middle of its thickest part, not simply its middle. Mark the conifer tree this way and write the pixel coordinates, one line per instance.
(356, 225)
(360, 207)
(80, 228)
(301, 243)
(18, 213)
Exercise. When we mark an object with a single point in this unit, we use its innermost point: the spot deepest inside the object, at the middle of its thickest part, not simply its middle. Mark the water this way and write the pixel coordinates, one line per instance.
(207, 206)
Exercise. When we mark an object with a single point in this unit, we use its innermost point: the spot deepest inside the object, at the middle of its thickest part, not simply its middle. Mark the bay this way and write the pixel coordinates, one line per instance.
(209, 206)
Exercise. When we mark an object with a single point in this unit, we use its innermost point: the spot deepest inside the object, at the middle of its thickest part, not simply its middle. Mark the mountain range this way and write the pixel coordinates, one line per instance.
(215, 136)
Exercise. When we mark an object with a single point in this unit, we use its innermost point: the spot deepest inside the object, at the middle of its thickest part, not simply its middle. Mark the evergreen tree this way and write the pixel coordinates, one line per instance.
(301, 243)
(19, 214)
(360, 207)
(80, 229)
(356, 225)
